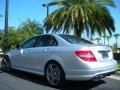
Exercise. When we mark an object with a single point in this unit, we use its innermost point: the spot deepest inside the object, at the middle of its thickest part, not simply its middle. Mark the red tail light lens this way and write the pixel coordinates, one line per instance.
(86, 55)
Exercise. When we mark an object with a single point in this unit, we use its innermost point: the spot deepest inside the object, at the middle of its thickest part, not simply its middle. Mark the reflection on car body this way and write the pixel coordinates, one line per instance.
(60, 58)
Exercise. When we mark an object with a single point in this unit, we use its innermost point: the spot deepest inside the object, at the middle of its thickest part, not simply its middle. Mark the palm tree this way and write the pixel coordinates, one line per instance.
(11, 39)
(98, 40)
(116, 37)
(104, 37)
(32, 27)
(108, 38)
(79, 15)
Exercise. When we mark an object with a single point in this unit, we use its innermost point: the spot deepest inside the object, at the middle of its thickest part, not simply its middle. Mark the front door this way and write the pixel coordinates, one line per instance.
(21, 55)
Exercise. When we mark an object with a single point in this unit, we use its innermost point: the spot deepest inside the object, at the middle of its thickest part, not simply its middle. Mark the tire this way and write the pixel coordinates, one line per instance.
(54, 74)
(6, 64)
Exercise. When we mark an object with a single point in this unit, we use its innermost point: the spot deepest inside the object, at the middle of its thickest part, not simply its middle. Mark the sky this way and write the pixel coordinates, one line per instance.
(21, 10)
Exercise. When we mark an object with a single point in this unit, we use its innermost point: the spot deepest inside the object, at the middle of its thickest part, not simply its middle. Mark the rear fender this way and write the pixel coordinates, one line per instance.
(58, 60)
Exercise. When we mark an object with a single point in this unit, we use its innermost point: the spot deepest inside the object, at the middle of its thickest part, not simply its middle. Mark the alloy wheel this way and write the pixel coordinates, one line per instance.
(53, 74)
(6, 64)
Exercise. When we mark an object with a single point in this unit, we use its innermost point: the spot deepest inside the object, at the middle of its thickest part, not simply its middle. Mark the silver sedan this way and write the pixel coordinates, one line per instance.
(60, 58)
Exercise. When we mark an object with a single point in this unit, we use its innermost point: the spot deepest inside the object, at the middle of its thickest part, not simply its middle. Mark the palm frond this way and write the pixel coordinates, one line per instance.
(79, 15)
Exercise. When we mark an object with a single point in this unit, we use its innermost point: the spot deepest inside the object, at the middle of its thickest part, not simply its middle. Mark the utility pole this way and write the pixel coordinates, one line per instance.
(6, 17)
(0, 17)
(47, 6)
(6, 25)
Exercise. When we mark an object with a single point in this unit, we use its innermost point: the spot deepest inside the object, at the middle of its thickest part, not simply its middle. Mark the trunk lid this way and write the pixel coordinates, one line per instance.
(102, 53)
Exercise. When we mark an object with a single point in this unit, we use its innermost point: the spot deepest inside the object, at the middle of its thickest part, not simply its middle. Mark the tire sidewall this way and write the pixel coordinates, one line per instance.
(6, 58)
(62, 75)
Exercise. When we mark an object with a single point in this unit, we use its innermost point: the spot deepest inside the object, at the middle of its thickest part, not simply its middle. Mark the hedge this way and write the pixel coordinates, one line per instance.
(116, 56)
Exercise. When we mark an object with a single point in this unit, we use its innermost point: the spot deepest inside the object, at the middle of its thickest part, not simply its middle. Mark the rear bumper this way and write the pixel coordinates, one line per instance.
(85, 75)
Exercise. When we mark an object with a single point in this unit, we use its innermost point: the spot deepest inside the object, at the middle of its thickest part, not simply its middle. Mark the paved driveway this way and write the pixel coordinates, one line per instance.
(18, 80)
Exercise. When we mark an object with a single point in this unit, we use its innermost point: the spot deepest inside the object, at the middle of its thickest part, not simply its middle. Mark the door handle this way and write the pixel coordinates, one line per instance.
(45, 50)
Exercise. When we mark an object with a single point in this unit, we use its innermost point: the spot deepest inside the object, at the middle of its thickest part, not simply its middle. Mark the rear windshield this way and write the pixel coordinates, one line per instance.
(74, 39)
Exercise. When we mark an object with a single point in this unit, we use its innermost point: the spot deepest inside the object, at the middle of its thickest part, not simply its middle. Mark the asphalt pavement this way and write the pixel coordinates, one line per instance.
(18, 80)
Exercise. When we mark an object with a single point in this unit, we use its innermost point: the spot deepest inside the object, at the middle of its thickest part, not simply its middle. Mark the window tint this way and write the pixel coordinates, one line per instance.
(29, 43)
(75, 40)
(46, 40)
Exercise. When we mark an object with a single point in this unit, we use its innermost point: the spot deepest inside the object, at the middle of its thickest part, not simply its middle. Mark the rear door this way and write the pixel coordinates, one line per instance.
(41, 52)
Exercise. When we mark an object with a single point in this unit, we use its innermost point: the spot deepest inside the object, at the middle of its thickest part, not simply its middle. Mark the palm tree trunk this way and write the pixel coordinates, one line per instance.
(104, 40)
(78, 31)
(104, 36)
(116, 43)
(108, 41)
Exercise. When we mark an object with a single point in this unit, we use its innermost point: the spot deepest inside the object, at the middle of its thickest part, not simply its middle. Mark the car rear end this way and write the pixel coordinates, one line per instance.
(96, 61)
(88, 61)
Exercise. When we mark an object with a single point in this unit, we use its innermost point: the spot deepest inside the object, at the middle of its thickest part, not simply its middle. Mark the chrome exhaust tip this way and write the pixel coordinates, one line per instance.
(98, 78)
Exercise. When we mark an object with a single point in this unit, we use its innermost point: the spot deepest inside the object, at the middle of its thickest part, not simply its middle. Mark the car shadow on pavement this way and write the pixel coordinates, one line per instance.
(81, 85)
(69, 85)
(1, 70)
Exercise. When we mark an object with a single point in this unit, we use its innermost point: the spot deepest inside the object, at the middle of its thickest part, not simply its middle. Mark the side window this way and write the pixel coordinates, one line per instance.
(47, 40)
(29, 43)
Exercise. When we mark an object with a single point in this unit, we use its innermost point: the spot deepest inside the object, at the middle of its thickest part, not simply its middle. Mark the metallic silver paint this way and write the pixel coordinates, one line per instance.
(34, 60)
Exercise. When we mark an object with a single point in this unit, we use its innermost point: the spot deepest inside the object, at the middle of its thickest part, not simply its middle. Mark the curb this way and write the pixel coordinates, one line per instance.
(0, 58)
(118, 73)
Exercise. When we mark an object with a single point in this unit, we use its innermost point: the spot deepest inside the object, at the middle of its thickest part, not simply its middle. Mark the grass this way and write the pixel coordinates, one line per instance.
(118, 66)
(1, 54)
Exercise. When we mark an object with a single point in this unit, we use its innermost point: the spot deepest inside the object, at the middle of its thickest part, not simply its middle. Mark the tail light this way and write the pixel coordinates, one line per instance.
(86, 55)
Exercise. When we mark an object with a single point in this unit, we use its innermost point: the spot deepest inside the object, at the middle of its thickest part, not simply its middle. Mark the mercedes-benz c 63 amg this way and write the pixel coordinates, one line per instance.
(60, 58)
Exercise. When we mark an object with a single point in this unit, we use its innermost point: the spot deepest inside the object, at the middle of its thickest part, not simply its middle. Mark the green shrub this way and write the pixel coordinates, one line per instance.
(116, 56)
(118, 66)
(1, 55)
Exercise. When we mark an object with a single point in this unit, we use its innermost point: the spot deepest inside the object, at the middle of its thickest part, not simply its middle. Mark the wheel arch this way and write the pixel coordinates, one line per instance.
(55, 61)
(7, 57)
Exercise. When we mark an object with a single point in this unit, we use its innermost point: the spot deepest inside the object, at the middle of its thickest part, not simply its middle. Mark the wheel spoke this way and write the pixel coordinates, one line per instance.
(55, 70)
(51, 68)
(52, 80)
(53, 74)
(6, 65)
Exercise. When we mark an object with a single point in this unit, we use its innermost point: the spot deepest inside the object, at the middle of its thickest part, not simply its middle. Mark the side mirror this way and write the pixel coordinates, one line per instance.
(17, 46)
